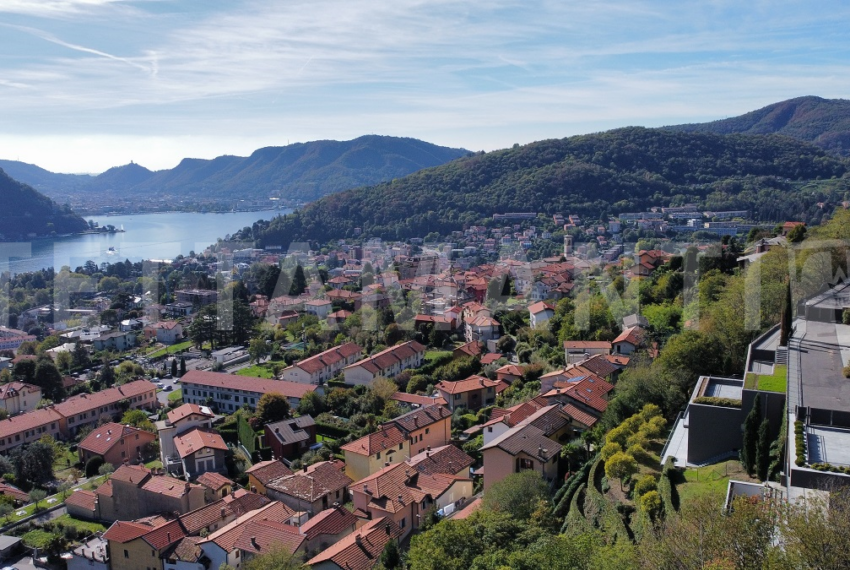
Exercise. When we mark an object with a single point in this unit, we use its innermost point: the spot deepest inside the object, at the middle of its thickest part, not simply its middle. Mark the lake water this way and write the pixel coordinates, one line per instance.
(145, 236)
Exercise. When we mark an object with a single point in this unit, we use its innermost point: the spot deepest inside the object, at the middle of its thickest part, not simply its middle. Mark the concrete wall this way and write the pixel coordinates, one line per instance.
(822, 480)
(772, 407)
(713, 430)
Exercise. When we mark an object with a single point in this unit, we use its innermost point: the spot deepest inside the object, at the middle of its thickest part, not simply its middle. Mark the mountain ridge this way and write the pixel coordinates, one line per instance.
(299, 172)
(28, 213)
(822, 122)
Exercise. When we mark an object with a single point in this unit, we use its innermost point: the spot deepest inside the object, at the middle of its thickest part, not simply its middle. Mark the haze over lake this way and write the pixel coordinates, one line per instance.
(145, 236)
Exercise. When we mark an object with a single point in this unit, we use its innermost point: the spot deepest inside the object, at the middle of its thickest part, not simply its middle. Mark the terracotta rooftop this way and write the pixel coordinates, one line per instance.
(471, 384)
(87, 402)
(125, 531)
(526, 439)
(247, 383)
(197, 439)
(12, 389)
(421, 418)
(226, 538)
(28, 421)
(387, 437)
(632, 335)
(328, 358)
(186, 410)
(266, 471)
(82, 499)
(361, 549)
(319, 480)
(214, 481)
(539, 307)
(388, 357)
(331, 521)
(447, 460)
(103, 438)
(587, 344)
(416, 399)
(261, 536)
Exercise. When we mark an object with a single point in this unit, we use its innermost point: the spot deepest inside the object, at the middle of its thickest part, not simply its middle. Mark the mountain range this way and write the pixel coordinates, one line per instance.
(594, 176)
(298, 172)
(822, 122)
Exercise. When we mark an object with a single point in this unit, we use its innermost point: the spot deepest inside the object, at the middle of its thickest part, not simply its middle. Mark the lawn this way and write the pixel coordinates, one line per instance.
(435, 354)
(176, 395)
(155, 464)
(709, 480)
(257, 371)
(776, 382)
(173, 349)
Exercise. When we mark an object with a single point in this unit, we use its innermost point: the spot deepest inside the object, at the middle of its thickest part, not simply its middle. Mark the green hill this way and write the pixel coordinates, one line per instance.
(300, 172)
(27, 213)
(594, 176)
(823, 122)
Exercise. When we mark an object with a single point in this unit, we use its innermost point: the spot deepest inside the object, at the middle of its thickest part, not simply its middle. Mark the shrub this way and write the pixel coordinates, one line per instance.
(637, 439)
(722, 402)
(644, 485)
(93, 466)
(650, 503)
(638, 452)
(610, 449)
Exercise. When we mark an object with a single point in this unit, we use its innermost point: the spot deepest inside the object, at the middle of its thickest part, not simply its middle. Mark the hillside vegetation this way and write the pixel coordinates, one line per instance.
(823, 122)
(628, 169)
(26, 212)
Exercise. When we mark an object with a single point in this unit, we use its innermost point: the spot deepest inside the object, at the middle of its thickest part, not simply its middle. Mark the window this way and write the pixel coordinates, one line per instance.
(126, 554)
(378, 456)
(489, 429)
(403, 523)
(427, 430)
(457, 396)
(400, 446)
(525, 464)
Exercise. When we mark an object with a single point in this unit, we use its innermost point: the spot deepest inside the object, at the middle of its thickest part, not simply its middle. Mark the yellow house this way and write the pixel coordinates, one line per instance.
(372, 452)
(260, 474)
(139, 546)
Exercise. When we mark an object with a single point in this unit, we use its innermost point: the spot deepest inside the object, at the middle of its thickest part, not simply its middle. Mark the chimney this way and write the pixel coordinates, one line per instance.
(254, 542)
(358, 540)
(168, 537)
(388, 529)
(428, 448)
(222, 512)
(253, 488)
(400, 499)
(305, 469)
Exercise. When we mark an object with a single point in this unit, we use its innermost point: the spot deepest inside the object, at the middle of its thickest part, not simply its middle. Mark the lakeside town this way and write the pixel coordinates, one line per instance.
(331, 406)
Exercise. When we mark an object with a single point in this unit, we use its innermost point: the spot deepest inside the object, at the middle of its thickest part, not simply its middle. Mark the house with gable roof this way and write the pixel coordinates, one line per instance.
(629, 341)
(523, 447)
(327, 528)
(18, 397)
(199, 450)
(360, 550)
(312, 489)
(401, 493)
(260, 474)
(322, 367)
(386, 363)
(364, 456)
(290, 437)
(472, 393)
(116, 444)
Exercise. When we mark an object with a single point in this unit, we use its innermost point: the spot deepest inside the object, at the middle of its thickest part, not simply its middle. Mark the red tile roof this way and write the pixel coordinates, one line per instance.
(165, 535)
(470, 349)
(318, 480)
(82, 499)
(421, 418)
(361, 549)
(396, 486)
(447, 460)
(87, 402)
(468, 510)
(539, 307)
(247, 383)
(385, 359)
(27, 421)
(526, 439)
(632, 335)
(186, 410)
(261, 536)
(214, 481)
(328, 358)
(194, 440)
(227, 537)
(265, 471)
(387, 437)
(103, 438)
(417, 399)
(123, 532)
(12, 389)
(330, 521)
(587, 344)
(490, 358)
(471, 384)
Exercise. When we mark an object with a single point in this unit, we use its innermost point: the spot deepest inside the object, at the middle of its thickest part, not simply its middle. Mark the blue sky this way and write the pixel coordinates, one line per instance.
(89, 84)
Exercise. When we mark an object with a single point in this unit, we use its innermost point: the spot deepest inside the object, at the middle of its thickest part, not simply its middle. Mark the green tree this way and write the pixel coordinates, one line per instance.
(763, 450)
(24, 371)
(516, 495)
(182, 366)
(36, 496)
(107, 376)
(258, 349)
(621, 466)
(390, 556)
(174, 367)
(311, 404)
(277, 558)
(33, 464)
(299, 281)
(272, 407)
(787, 316)
(48, 378)
(749, 448)
(138, 419)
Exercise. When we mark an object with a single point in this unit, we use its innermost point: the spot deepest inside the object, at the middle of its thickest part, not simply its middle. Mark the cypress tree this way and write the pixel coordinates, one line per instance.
(182, 366)
(299, 281)
(174, 367)
(391, 557)
(785, 326)
(763, 450)
(751, 427)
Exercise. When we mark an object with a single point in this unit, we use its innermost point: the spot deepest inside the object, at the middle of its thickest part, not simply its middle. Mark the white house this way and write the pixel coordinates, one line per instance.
(324, 366)
(387, 363)
(540, 313)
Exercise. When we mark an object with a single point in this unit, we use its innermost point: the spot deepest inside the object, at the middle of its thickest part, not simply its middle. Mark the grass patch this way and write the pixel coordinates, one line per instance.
(82, 526)
(155, 464)
(435, 354)
(710, 480)
(176, 395)
(776, 382)
(173, 349)
(257, 371)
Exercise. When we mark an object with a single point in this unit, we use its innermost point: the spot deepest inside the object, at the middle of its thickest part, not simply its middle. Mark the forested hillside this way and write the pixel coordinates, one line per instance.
(25, 212)
(823, 122)
(301, 172)
(594, 176)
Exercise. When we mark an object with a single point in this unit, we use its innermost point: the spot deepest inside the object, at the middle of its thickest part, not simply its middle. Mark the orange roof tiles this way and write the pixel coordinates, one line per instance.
(213, 480)
(471, 384)
(87, 402)
(266, 471)
(197, 439)
(331, 521)
(361, 549)
(328, 358)
(247, 383)
(103, 438)
(186, 410)
(387, 437)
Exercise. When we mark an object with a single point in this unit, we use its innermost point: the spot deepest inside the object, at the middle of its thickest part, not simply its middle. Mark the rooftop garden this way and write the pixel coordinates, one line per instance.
(776, 382)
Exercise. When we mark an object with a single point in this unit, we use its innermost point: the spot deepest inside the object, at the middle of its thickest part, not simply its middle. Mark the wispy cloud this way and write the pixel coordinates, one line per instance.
(480, 73)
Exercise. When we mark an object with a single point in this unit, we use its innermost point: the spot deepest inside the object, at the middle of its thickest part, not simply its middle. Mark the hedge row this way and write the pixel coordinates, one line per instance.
(722, 402)
(666, 488)
(575, 518)
(329, 430)
(800, 441)
(568, 491)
